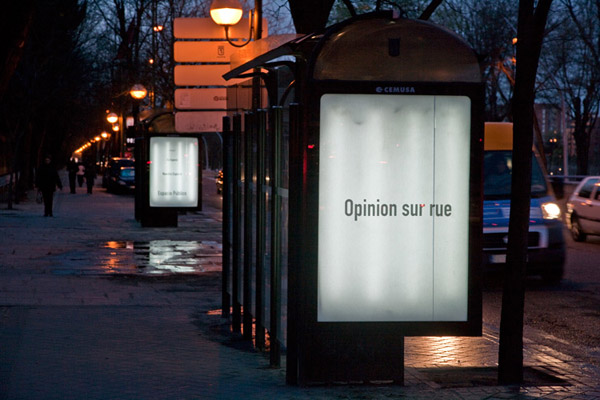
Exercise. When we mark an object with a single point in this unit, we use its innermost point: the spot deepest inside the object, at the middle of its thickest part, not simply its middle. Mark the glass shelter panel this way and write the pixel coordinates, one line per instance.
(393, 208)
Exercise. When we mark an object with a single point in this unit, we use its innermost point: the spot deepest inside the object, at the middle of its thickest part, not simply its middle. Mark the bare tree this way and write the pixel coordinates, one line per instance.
(45, 100)
(572, 71)
(17, 19)
(421, 9)
(489, 26)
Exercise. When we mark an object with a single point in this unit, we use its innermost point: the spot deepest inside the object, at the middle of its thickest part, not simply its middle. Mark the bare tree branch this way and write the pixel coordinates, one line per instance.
(430, 9)
(350, 7)
(580, 28)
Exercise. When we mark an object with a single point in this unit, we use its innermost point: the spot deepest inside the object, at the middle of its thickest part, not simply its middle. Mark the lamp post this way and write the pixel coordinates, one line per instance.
(228, 13)
(114, 119)
(137, 92)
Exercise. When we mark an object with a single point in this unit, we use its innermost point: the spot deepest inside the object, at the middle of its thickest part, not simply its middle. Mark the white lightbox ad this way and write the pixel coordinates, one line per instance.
(393, 208)
(174, 172)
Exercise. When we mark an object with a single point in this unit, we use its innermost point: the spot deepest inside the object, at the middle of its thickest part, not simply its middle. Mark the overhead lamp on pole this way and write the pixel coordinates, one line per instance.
(112, 118)
(138, 92)
(229, 12)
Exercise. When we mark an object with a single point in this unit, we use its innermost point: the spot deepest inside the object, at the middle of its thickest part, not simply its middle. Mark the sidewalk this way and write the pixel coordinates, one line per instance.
(92, 306)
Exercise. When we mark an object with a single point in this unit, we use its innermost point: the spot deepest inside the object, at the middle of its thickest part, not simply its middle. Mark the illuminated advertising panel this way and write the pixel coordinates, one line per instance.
(393, 229)
(174, 172)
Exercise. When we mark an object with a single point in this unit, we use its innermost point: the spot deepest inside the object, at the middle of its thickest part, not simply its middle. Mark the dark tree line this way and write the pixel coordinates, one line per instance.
(49, 92)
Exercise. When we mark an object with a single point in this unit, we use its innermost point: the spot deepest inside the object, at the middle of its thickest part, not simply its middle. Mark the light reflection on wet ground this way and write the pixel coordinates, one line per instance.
(155, 257)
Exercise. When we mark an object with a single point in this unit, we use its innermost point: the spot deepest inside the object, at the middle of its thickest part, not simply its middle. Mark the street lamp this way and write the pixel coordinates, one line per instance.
(229, 12)
(112, 118)
(226, 12)
(138, 92)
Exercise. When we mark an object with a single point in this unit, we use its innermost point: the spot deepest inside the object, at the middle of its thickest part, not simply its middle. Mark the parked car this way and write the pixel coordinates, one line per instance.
(546, 244)
(119, 174)
(583, 209)
(219, 182)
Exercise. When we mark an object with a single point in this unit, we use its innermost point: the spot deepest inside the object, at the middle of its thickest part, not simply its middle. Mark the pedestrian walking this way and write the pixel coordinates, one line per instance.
(80, 173)
(90, 175)
(72, 168)
(47, 180)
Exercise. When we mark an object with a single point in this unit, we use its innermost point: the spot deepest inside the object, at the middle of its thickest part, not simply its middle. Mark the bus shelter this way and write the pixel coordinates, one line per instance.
(354, 199)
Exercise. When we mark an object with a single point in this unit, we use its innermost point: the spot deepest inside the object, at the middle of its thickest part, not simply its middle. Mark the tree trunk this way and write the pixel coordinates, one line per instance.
(14, 34)
(582, 147)
(532, 21)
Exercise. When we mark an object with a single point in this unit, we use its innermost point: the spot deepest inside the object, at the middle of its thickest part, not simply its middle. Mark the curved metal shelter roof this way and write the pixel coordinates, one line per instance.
(371, 47)
(384, 49)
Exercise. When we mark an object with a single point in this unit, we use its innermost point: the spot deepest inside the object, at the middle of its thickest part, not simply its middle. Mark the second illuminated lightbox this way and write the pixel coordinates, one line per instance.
(393, 208)
(174, 172)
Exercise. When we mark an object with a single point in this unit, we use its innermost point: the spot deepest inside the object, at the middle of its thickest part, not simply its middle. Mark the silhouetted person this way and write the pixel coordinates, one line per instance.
(72, 168)
(47, 180)
(90, 176)
(80, 173)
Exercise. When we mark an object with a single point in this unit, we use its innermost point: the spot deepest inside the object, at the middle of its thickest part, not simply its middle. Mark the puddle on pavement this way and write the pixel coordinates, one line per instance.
(160, 257)
(149, 258)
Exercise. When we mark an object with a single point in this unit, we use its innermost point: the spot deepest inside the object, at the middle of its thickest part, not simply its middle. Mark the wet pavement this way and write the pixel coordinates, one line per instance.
(93, 306)
(154, 257)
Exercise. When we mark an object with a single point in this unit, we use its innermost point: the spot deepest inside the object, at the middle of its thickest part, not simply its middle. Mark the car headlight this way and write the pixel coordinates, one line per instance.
(550, 211)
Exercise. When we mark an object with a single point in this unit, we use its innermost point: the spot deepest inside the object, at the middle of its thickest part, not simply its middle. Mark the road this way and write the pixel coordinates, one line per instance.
(210, 198)
(564, 316)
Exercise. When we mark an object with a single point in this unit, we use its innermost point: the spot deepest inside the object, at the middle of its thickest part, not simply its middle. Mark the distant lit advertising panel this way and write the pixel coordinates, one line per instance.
(393, 230)
(174, 172)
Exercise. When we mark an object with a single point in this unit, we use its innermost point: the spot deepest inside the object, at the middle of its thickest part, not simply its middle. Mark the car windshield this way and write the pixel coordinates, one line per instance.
(128, 172)
(498, 173)
(124, 162)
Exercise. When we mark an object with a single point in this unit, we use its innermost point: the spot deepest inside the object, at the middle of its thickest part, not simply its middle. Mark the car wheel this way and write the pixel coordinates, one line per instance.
(576, 231)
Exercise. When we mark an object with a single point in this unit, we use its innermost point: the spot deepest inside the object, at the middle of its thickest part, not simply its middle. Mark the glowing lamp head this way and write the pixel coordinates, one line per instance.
(550, 211)
(138, 92)
(112, 117)
(226, 12)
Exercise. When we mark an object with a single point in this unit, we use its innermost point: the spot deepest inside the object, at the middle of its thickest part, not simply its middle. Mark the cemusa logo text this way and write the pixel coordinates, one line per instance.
(395, 89)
